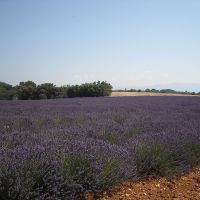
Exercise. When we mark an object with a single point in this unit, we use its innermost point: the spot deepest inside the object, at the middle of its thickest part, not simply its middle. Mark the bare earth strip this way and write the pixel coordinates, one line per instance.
(186, 187)
(118, 94)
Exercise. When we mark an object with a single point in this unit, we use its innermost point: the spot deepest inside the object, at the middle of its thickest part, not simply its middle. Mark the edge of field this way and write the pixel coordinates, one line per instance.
(184, 187)
(121, 94)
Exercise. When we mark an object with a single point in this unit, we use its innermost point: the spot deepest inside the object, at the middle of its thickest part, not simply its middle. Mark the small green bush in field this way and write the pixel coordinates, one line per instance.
(108, 167)
(190, 151)
(75, 167)
(109, 172)
(153, 159)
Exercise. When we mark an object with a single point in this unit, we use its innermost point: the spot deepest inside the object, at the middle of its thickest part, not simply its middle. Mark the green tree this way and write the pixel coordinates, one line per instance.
(73, 91)
(47, 90)
(107, 88)
(5, 91)
(167, 91)
(26, 90)
(61, 92)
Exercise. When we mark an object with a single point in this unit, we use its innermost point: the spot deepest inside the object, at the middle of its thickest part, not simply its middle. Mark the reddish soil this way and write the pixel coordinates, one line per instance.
(182, 188)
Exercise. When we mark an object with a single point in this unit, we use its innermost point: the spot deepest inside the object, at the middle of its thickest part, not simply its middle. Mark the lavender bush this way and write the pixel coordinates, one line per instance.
(64, 148)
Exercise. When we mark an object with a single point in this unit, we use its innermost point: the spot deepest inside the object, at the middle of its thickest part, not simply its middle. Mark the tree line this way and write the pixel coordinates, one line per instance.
(158, 91)
(29, 90)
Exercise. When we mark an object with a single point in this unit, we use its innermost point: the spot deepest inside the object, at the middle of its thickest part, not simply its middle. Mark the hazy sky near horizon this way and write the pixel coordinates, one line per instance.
(128, 43)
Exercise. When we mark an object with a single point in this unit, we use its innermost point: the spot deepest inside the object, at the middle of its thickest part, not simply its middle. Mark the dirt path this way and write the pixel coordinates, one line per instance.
(186, 187)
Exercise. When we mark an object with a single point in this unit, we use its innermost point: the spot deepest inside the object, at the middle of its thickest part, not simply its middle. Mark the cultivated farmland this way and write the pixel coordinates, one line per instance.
(65, 148)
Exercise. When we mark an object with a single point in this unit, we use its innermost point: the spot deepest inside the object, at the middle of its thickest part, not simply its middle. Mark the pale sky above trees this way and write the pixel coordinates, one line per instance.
(128, 43)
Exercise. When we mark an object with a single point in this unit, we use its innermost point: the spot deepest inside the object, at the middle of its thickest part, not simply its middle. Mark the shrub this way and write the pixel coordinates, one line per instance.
(154, 159)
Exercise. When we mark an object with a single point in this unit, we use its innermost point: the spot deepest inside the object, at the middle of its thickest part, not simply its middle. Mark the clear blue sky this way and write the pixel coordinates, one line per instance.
(129, 43)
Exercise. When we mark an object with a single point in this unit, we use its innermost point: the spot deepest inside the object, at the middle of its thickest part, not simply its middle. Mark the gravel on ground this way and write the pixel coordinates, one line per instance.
(186, 187)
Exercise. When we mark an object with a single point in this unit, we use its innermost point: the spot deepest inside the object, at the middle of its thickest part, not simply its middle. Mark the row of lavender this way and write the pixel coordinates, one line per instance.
(61, 149)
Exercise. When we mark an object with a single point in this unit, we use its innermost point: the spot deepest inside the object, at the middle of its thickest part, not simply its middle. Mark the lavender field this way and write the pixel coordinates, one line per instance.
(64, 148)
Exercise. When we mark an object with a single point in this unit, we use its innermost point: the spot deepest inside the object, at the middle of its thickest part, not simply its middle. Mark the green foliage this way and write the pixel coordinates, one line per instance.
(75, 167)
(46, 91)
(109, 174)
(61, 92)
(132, 90)
(147, 90)
(26, 90)
(6, 91)
(29, 90)
(159, 91)
(133, 132)
(90, 90)
(110, 138)
(190, 151)
(108, 167)
(167, 91)
(42, 96)
(73, 91)
(153, 159)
